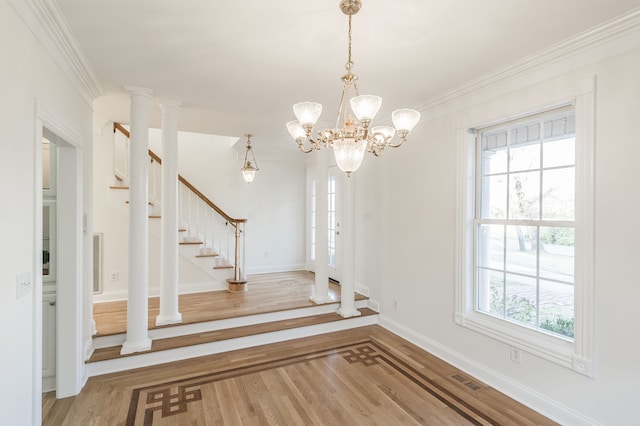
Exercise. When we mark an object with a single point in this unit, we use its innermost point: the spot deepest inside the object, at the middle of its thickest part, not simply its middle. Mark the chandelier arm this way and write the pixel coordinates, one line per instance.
(396, 145)
(303, 149)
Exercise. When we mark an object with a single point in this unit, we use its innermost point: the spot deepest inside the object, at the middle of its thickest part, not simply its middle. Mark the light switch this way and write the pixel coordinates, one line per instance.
(23, 284)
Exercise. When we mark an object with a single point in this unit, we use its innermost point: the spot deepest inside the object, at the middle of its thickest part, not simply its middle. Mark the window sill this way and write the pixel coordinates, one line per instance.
(555, 349)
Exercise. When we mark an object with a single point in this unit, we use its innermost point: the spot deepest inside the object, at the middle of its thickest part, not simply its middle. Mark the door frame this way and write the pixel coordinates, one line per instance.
(70, 372)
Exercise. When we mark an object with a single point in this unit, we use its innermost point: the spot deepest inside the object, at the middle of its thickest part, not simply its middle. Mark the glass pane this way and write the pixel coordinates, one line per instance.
(491, 292)
(331, 248)
(521, 252)
(491, 246)
(556, 308)
(560, 152)
(46, 246)
(520, 300)
(557, 253)
(525, 148)
(558, 189)
(494, 153)
(494, 197)
(524, 195)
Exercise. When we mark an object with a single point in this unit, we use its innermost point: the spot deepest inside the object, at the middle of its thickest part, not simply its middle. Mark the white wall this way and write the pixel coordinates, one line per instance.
(274, 205)
(417, 205)
(28, 72)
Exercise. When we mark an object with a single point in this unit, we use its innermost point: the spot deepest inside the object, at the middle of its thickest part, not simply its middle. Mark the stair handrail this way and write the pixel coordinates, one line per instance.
(233, 221)
(186, 183)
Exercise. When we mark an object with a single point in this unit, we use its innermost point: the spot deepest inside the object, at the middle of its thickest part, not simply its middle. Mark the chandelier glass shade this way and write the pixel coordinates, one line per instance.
(250, 166)
(353, 135)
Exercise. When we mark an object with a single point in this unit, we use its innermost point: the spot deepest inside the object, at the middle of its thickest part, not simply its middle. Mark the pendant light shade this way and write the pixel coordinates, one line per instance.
(250, 166)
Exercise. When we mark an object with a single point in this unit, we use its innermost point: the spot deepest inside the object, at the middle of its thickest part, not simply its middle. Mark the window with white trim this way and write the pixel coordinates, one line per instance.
(525, 221)
(525, 227)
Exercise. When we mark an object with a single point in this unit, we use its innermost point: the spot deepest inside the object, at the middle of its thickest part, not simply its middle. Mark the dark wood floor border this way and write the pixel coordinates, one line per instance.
(455, 403)
(431, 382)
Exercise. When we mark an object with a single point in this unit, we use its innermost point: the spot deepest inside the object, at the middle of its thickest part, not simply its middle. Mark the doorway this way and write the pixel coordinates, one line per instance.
(64, 321)
(49, 260)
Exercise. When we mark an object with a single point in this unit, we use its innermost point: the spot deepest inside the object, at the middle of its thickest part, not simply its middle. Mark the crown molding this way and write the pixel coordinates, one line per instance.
(48, 24)
(607, 31)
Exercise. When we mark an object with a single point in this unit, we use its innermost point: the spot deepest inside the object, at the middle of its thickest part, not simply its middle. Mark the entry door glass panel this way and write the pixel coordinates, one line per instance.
(334, 205)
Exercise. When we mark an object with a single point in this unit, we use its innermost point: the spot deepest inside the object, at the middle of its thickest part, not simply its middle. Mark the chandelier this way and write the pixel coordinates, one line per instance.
(250, 167)
(352, 136)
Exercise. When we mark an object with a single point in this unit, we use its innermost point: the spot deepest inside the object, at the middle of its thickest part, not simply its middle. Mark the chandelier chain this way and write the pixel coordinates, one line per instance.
(349, 63)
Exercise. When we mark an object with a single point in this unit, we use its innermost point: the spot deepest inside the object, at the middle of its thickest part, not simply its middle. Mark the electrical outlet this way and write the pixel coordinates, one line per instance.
(115, 276)
(23, 285)
(515, 354)
(396, 304)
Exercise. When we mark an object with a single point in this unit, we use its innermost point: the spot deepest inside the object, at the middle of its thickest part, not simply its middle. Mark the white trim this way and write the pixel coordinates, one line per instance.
(116, 295)
(536, 401)
(70, 379)
(276, 268)
(49, 26)
(578, 355)
(616, 28)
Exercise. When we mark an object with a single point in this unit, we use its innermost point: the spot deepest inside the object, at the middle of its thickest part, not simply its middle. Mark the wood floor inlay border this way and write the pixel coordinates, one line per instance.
(375, 375)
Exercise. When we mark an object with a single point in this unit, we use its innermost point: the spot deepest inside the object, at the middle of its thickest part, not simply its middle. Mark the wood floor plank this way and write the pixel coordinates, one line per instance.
(365, 375)
(267, 293)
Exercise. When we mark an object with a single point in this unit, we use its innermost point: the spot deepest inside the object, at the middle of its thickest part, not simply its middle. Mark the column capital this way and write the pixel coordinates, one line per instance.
(139, 91)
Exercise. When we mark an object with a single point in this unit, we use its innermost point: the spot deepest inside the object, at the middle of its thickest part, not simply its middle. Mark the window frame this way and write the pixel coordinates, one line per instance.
(577, 354)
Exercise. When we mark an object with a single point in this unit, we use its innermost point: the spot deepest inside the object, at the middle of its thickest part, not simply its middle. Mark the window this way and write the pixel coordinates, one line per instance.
(525, 222)
(525, 227)
(331, 242)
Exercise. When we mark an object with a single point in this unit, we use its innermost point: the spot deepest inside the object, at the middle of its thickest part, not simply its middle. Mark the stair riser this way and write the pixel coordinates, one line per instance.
(161, 357)
(181, 330)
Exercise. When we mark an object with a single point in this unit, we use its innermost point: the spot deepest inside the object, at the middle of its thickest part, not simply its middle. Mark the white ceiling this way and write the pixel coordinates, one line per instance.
(238, 66)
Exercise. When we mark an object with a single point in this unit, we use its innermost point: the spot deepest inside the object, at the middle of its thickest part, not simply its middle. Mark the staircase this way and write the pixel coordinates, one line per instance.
(210, 239)
(274, 310)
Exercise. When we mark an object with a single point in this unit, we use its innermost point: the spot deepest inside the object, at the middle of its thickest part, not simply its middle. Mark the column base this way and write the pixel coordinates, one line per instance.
(321, 300)
(169, 319)
(132, 347)
(348, 313)
(237, 286)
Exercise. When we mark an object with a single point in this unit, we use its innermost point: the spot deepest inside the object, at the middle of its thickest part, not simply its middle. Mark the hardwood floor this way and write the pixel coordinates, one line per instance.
(267, 293)
(365, 375)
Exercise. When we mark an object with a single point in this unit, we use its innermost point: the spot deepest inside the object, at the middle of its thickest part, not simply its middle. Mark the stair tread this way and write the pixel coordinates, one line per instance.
(118, 187)
(223, 267)
(191, 242)
(208, 255)
(113, 352)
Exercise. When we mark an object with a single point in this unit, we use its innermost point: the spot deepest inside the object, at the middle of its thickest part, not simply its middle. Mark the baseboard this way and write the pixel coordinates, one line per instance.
(362, 289)
(373, 304)
(515, 390)
(48, 384)
(279, 268)
(117, 295)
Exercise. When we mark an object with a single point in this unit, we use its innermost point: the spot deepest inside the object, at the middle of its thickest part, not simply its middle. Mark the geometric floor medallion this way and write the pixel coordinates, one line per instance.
(359, 383)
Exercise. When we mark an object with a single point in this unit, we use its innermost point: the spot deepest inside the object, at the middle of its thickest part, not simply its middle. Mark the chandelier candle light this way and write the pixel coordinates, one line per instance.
(250, 167)
(352, 136)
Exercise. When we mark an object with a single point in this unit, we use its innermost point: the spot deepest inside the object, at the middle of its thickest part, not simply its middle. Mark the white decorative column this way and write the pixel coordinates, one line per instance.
(347, 284)
(169, 216)
(321, 288)
(137, 303)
